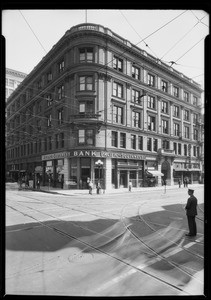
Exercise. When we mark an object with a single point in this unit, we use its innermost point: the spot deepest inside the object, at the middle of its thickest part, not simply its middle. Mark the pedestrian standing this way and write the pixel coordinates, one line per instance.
(179, 182)
(90, 187)
(130, 186)
(184, 182)
(187, 181)
(191, 212)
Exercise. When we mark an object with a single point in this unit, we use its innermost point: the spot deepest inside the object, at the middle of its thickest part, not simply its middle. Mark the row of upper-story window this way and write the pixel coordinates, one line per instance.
(119, 140)
(88, 137)
(89, 107)
(41, 145)
(86, 55)
(117, 116)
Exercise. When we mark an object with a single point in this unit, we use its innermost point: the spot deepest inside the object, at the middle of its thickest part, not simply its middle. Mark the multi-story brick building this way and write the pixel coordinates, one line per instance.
(99, 107)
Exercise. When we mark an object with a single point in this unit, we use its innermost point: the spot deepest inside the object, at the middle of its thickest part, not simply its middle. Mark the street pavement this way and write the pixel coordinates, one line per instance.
(119, 243)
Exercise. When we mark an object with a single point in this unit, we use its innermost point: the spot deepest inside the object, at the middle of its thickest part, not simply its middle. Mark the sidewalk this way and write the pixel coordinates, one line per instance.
(52, 190)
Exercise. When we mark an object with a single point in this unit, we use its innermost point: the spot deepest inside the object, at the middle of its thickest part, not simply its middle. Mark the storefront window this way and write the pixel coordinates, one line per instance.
(73, 171)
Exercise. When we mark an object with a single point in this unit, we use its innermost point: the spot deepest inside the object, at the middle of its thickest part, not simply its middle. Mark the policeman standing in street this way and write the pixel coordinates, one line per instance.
(191, 212)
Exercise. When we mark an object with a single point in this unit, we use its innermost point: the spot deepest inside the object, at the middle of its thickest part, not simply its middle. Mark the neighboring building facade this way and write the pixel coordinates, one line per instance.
(98, 107)
(13, 79)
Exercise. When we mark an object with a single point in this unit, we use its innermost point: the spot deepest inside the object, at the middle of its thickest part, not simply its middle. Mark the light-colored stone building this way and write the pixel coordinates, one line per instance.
(99, 108)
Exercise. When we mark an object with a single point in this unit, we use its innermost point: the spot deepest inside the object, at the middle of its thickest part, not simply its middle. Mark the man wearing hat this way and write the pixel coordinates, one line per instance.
(191, 212)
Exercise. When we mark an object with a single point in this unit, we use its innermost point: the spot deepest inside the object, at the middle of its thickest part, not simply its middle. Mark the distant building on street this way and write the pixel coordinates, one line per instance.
(13, 79)
(99, 108)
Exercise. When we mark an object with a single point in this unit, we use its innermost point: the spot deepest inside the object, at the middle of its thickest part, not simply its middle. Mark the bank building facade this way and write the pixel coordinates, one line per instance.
(99, 108)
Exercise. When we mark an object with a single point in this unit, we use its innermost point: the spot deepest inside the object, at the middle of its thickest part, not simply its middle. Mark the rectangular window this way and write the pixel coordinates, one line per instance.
(155, 145)
(122, 140)
(187, 132)
(62, 139)
(118, 114)
(151, 80)
(164, 107)
(194, 151)
(49, 143)
(175, 148)
(61, 66)
(185, 150)
(85, 83)
(49, 99)
(176, 111)
(60, 116)
(86, 136)
(151, 102)
(45, 144)
(164, 86)
(133, 141)
(61, 93)
(114, 138)
(136, 119)
(186, 96)
(165, 126)
(195, 118)
(49, 120)
(151, 123)
(49, 76)
(186, 115)
(166, 144)
(86, 107)
(140, 142)
(195, 100)
(136, 97)
(149, 144)
(118, 90)
(86, 55)
(175, 91)
(176, 129)
(11, 83)
(195, 134)
(179, 149)
(136, 72)
(118, 64)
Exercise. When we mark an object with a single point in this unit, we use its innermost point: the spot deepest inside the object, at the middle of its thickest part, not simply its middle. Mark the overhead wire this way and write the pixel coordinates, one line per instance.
(32, 31)
(112, 60)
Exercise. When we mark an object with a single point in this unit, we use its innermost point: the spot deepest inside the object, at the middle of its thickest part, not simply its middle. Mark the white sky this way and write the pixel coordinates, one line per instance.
(24, 52)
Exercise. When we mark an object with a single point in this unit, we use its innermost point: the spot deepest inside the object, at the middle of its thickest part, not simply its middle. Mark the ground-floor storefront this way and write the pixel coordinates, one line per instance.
(109, 169)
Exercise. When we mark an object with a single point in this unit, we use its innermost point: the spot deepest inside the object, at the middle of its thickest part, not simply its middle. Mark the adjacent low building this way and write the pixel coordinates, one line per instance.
(99, 108)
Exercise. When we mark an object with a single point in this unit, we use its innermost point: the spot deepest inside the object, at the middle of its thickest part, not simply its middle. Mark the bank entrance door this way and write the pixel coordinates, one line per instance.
(85, 172)
(123, 178)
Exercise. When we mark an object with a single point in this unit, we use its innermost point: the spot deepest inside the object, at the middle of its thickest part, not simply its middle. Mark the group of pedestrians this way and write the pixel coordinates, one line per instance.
(185, 182)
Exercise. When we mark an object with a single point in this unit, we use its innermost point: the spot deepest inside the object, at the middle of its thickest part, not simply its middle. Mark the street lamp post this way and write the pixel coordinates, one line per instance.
(99, 164)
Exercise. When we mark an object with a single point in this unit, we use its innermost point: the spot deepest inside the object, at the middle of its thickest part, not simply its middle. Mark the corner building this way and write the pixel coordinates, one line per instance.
(98, 107)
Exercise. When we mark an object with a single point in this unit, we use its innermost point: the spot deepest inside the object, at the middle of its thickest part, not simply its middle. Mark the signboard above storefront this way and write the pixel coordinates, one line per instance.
(94, 153)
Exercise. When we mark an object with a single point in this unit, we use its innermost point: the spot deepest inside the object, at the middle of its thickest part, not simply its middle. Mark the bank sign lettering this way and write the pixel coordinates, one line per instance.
(93, 153)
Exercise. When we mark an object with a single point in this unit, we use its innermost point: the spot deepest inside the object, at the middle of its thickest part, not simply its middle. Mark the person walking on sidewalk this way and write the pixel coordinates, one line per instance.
(130, 186)
(191, 212)
(90, 187)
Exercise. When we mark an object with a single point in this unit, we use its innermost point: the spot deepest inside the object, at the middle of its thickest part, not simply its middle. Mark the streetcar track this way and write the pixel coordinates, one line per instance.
(146, 223)
(159, 255)
(88, 245)
(103, 252)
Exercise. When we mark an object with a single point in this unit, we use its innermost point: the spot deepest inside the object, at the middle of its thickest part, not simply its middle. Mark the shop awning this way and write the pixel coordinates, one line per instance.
(154, 173)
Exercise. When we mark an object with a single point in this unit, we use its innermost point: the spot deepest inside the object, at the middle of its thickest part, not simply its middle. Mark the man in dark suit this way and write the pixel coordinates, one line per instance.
(191, 212)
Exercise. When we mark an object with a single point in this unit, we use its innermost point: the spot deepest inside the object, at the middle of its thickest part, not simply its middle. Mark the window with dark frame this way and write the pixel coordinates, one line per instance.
(114, 138)
(151, 123)
(165, 126)
(151, 102)
(164, 107)
(86, 55)
(122, 140)
(118, 63)
(149, 144)
(140, 142)
(61, 66)
(85, 83)
(164, 86)
(118, 114)
(118, 90)
(136, 119)
(136, 72)
(133, 141)
(151, 80)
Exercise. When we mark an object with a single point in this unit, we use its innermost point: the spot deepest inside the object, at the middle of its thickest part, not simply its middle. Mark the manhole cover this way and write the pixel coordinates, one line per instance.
(80, 257)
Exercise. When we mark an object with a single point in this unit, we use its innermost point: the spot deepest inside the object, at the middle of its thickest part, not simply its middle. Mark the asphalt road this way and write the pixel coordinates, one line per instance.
(123, 244)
